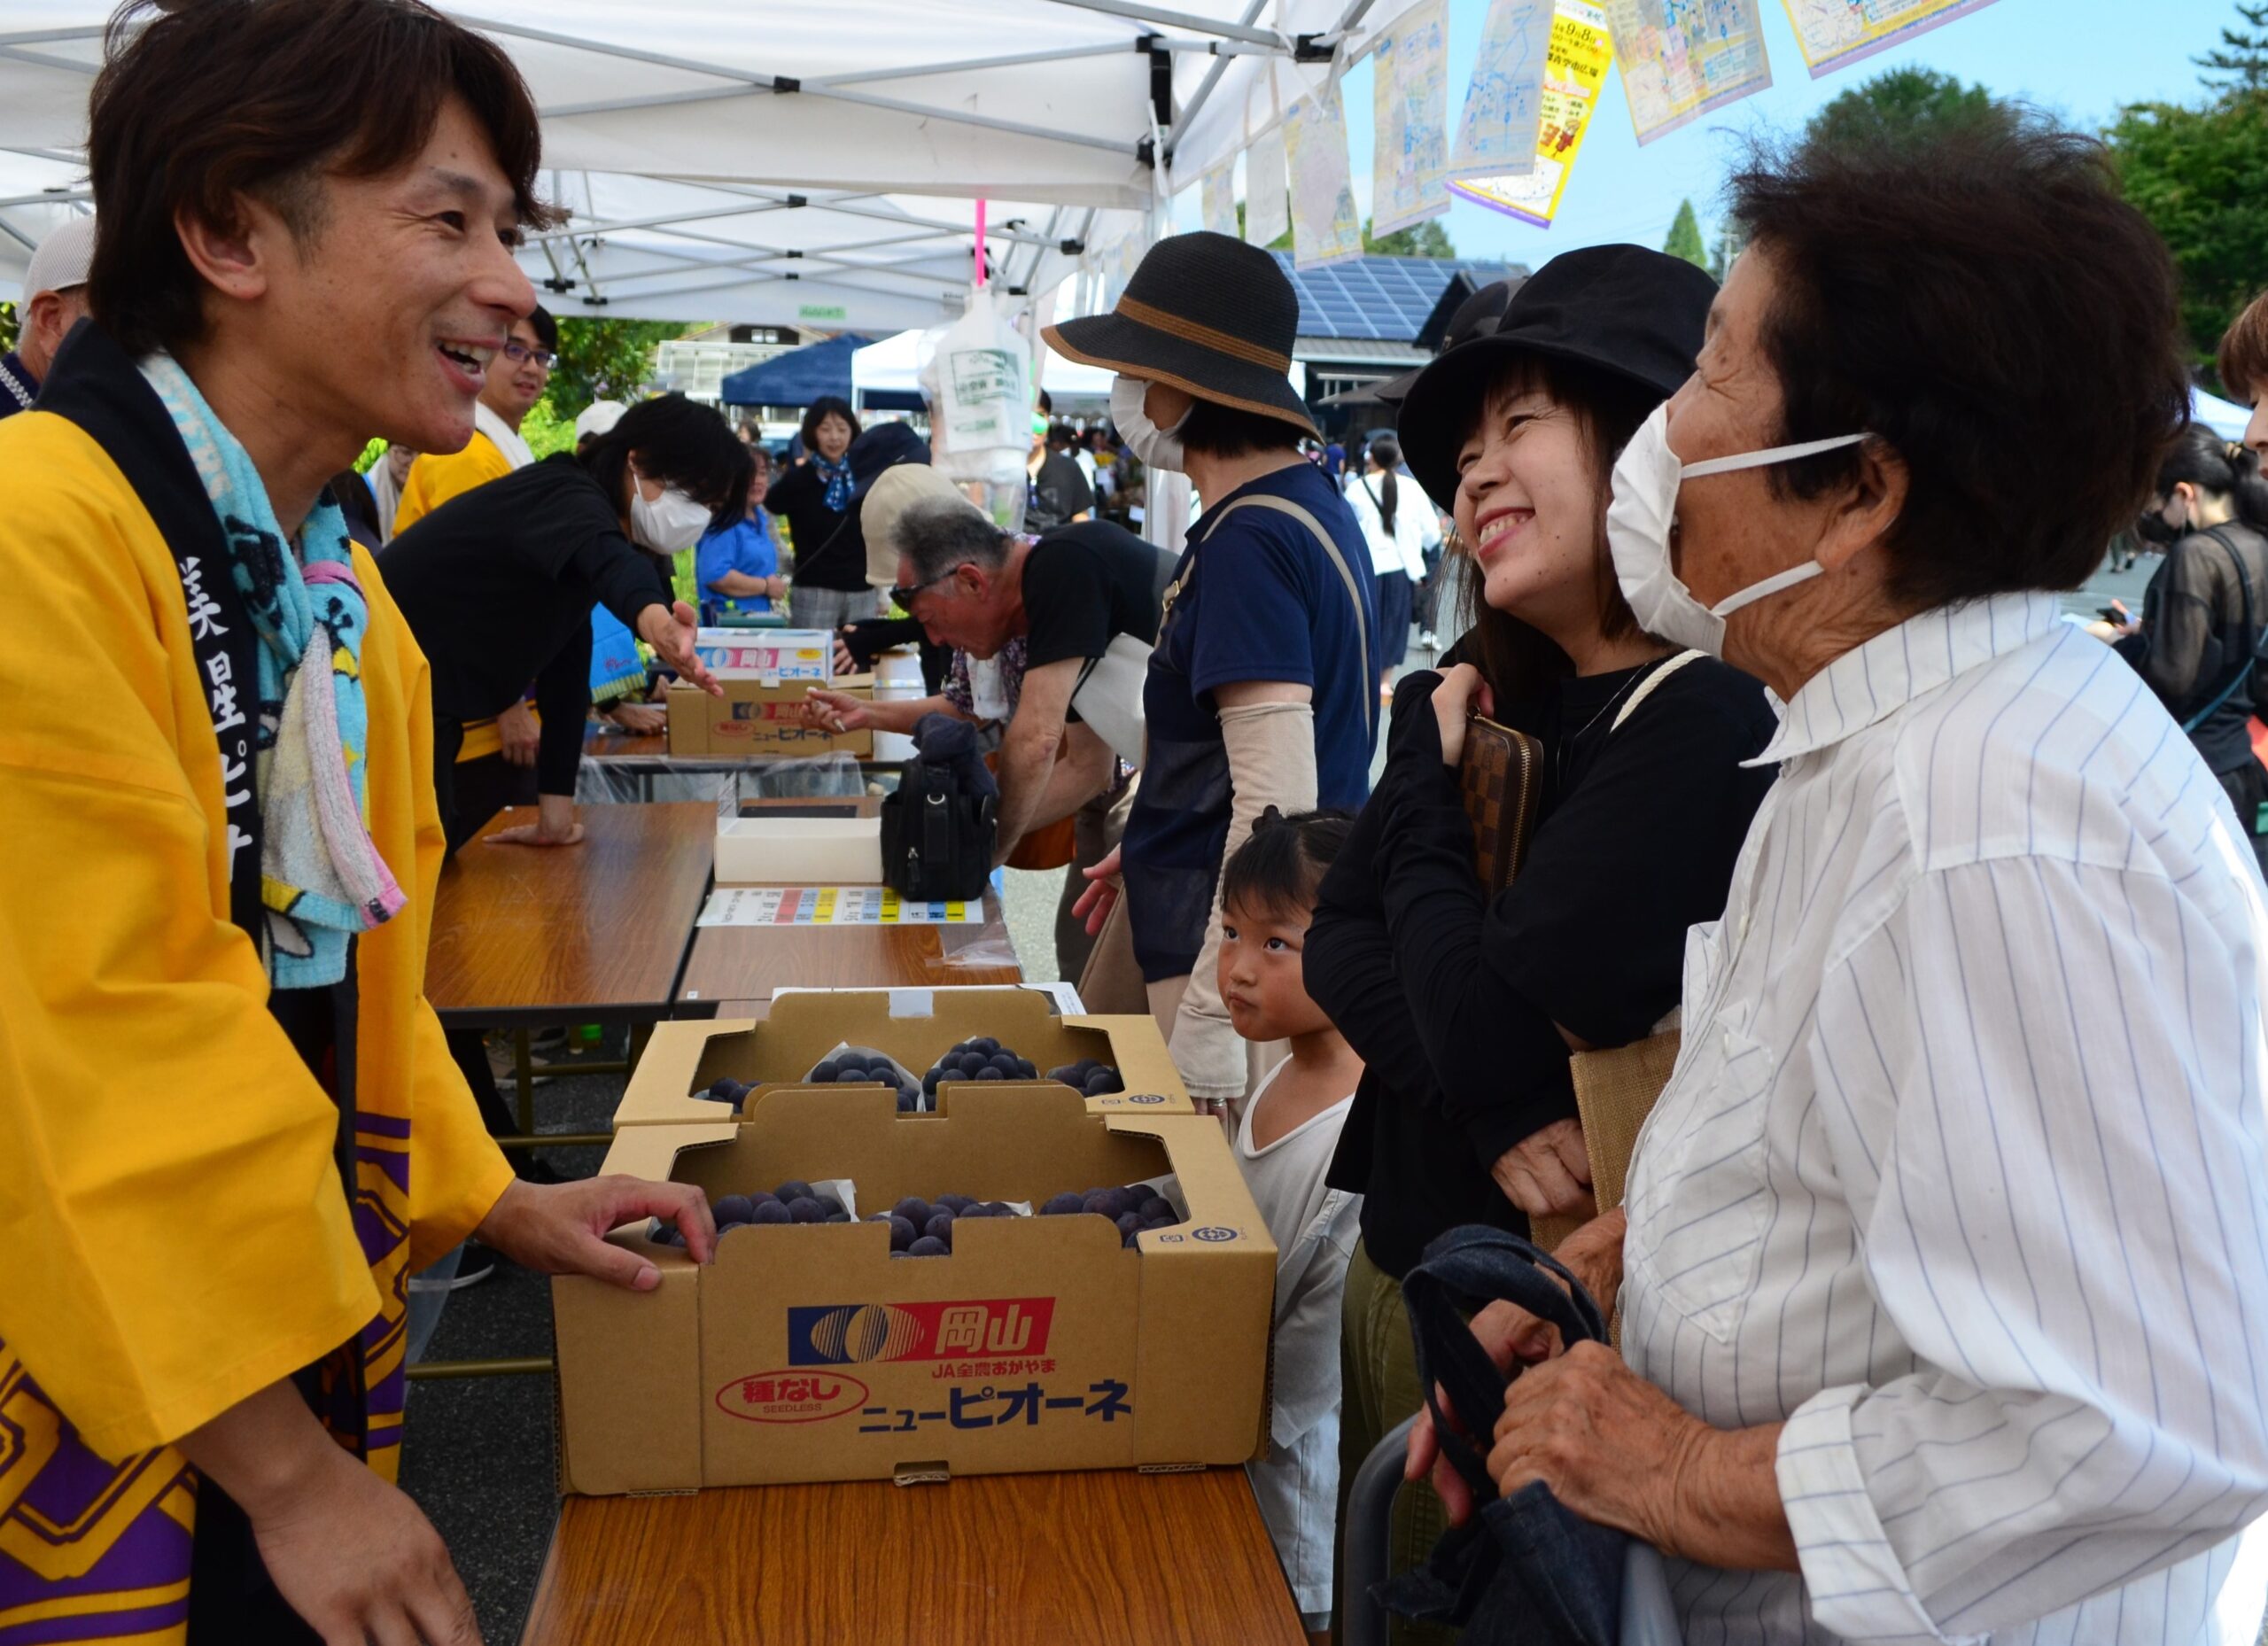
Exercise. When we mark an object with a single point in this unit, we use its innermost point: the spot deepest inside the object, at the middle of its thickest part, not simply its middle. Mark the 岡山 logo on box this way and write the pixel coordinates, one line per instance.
(791, 1396)
(852, 1333)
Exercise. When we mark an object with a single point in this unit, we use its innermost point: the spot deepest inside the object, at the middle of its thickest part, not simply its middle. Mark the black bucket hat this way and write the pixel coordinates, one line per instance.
(1208, 314)
(1620, 309)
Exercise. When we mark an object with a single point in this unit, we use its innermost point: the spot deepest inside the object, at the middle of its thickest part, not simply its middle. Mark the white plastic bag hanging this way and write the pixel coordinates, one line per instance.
(977, 379)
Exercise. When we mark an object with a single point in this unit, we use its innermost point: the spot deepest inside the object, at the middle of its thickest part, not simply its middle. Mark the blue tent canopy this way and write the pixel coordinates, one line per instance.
(797, 378)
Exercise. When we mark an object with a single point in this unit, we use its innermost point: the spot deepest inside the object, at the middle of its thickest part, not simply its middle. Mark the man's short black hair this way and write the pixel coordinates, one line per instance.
(197, 105)
(546, 328)
(1985, 303)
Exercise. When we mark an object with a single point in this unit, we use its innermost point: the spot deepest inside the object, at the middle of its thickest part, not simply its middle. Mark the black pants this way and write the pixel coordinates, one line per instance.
(1395, 592)
(470, 792)
(2247, 787)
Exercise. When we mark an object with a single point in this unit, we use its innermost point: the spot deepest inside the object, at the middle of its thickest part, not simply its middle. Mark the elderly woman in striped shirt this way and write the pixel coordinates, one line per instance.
(1943, 1286)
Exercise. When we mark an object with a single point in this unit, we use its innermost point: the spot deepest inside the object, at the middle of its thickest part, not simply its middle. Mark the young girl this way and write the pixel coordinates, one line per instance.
(1285, 1142)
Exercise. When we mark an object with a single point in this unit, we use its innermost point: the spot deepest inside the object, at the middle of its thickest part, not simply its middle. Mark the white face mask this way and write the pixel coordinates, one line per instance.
(671, 522)
(1645, 511)
(1158, 448)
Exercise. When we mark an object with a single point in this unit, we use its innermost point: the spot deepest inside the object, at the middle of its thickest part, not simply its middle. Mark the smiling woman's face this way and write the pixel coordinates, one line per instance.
(1527, 504)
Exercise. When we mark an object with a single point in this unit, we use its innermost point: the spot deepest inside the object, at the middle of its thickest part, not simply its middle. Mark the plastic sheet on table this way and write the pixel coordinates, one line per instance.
(817, 775)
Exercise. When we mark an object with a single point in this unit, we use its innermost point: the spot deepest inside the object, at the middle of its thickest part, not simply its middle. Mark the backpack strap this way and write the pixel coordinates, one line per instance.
(2251, 649)
(1345, 575)
(1646, 686)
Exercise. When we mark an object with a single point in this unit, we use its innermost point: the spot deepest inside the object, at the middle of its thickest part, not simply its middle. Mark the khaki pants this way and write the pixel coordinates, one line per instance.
(1378, 1384)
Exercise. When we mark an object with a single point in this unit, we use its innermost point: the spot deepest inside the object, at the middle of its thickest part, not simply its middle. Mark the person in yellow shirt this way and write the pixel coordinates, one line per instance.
(228, 1129)
(509, 741)
(508, 392)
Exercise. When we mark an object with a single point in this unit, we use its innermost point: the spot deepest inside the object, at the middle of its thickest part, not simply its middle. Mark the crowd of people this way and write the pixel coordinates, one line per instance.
(1939, 1266)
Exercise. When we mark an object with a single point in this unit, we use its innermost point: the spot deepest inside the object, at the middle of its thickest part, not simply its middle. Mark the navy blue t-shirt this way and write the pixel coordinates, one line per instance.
(1259, 599)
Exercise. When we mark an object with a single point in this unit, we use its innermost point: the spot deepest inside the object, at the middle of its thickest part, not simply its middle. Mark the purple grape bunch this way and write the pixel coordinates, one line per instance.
(1131, 1209)
(982, 1059)
(1089, 1077)
(725, 1089)
(863, 1066)
(919, 1228)
(792, 1202)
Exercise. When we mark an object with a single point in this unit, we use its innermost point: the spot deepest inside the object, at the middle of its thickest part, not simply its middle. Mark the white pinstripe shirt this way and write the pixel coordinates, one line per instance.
(1961, 1172)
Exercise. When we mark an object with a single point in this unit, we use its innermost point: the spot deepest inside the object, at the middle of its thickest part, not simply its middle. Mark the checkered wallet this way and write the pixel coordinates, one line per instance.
(1500, 778)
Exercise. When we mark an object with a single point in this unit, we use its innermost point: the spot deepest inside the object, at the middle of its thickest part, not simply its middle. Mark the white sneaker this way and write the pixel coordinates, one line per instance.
(1430, 641)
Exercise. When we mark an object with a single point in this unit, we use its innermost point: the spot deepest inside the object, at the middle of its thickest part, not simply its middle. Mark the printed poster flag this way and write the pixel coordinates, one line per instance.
(1682, 58)
(1834, 33)
(1267, 208)
(1216, 192)
(1326, 226)
(1496, 135)
(1410, 106)
(1581, 51)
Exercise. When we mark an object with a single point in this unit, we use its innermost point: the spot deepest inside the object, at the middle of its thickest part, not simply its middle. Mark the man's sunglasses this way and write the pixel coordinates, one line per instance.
(517, 352)
(903, 596)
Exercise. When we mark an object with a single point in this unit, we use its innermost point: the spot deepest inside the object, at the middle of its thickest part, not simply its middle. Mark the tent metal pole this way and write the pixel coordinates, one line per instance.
(1352, 17)
(1014, 128)
(651, 223)
(18, 235)
(49, 37)
(1178, 19)
(728, 286)
(842, 203)
(716, 70)
(1061, 54)
(1204, 91)
(61, 198)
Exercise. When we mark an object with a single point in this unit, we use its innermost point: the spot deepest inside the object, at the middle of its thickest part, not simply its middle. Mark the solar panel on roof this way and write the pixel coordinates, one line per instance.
(1387, 298)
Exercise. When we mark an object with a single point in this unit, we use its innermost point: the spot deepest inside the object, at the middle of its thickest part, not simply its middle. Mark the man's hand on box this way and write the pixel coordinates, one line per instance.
(560, 1229)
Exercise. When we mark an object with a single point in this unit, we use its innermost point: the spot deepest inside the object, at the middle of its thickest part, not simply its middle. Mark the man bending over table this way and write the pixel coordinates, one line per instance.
(228, 1128)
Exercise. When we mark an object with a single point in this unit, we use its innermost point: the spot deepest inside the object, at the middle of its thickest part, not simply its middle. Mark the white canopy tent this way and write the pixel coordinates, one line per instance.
(2224, 418)
(683, 133)
(892, 366)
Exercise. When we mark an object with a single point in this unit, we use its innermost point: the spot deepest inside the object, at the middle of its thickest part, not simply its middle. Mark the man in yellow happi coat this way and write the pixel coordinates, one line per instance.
(228, 1126)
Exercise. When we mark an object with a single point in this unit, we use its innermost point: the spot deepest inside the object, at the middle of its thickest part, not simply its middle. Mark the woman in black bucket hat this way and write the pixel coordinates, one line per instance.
(1261, 689)
(1465, 1007)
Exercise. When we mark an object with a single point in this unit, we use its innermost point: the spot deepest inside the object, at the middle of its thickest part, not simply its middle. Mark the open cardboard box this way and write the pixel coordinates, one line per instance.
(822, 842)
(915, 1025)
(806, 1352)
(759, 714)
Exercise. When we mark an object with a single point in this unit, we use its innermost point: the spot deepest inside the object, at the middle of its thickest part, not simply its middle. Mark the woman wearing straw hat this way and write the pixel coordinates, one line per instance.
(1262, 690)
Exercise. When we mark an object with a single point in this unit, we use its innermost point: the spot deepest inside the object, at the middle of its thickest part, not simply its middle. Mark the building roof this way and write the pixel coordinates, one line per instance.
(1387, 299)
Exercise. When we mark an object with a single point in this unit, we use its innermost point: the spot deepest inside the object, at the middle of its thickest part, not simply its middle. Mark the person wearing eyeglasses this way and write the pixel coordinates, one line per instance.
(514, 383)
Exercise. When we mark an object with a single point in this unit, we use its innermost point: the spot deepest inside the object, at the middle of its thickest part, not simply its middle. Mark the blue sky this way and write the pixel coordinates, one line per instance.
(2080, 58)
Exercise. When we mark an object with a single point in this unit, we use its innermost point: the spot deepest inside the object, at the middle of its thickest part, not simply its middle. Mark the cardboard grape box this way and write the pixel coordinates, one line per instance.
(915, 1025)
(806, 1352)
(759, 714)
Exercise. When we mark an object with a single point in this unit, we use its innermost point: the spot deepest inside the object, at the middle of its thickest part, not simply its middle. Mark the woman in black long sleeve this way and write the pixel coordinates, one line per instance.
(816, 498)
(1465, 1009)
(498, 584)
(2205, 606)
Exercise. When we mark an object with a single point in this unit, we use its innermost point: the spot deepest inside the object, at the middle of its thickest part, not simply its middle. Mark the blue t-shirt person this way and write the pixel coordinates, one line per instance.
(1260, 599)
(749, 547)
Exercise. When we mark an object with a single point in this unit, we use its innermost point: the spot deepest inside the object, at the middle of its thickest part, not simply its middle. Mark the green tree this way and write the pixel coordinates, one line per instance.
(1905, 106)
(1685, 236)
(7, 326)
(2239, 62)
(2200, 177)
(1426, 239)
(604, 359)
